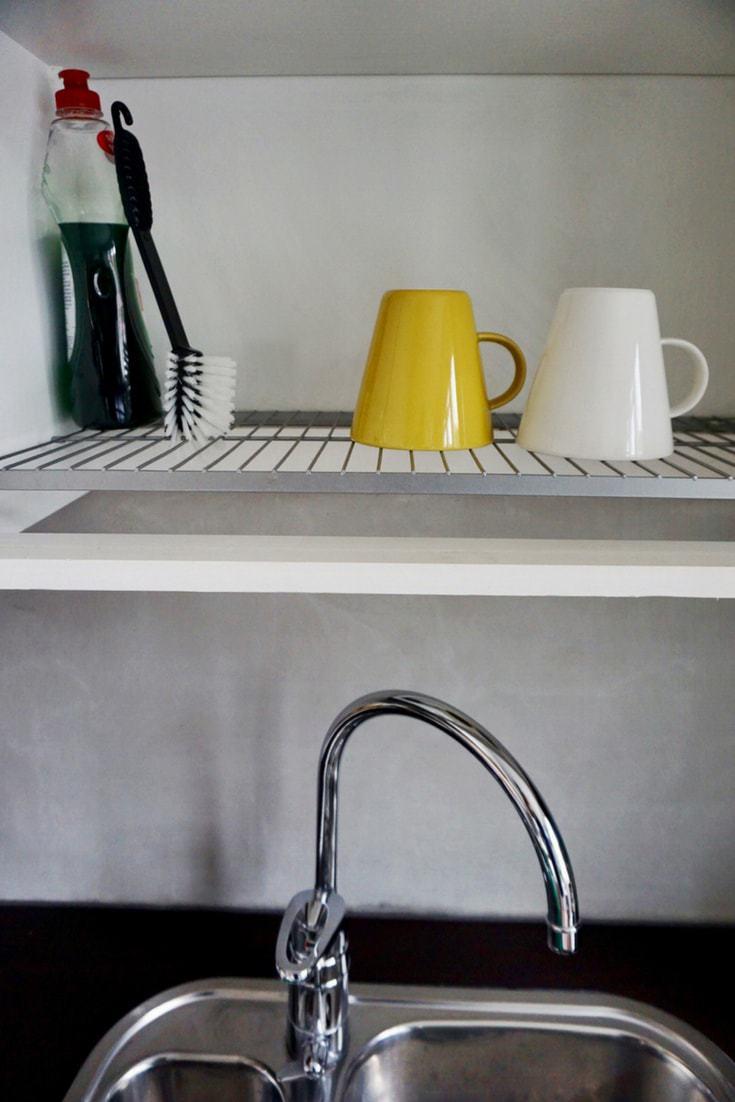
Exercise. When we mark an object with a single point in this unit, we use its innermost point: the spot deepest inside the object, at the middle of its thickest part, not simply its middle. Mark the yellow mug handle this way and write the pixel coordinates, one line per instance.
(518, 359)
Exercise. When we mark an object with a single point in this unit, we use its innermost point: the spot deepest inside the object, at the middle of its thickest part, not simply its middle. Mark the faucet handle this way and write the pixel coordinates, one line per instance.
(309, 926)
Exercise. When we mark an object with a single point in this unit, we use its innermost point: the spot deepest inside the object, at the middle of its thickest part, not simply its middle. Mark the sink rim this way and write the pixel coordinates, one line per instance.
(560, 1009)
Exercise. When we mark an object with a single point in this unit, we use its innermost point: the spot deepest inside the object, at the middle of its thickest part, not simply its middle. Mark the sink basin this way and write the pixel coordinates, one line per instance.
(224, 1041)
(475, 1062)
(188, 1078)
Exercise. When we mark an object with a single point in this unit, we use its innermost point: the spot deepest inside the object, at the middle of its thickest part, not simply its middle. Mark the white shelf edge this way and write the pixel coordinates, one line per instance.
(361, 565)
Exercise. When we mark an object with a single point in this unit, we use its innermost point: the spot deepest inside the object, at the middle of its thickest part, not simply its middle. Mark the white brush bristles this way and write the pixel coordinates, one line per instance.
(199, 396)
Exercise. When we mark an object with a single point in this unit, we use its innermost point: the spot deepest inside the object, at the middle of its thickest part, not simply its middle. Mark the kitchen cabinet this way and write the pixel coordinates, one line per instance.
(335, 148)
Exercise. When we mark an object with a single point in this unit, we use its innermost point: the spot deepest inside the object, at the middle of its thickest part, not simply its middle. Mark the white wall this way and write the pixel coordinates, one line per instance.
(19, 510)
(284, 207)
(30, 321)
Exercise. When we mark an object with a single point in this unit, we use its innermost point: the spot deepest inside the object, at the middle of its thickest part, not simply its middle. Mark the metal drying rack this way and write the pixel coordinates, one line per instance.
(301, 451)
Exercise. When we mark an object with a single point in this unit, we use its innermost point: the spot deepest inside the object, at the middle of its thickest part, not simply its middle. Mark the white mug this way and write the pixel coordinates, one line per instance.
(600, 391)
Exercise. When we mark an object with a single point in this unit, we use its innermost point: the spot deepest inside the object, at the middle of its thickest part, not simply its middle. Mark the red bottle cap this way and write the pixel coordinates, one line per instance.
(76, 94)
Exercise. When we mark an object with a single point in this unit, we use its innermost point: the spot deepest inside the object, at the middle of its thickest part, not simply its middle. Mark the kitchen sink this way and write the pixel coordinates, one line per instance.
(317, 1039)
(471, 1062)
(225, 1041)
(187, 1078)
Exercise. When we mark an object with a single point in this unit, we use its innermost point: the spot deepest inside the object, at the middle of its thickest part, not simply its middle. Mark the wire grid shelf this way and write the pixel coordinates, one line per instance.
(305, 451)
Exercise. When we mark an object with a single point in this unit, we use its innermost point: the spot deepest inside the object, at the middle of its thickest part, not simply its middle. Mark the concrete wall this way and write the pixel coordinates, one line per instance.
(465, 515)
(163, 748)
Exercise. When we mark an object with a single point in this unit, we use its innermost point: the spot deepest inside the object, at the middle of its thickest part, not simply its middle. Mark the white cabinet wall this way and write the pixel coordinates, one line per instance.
(284, 207)
(31, 336)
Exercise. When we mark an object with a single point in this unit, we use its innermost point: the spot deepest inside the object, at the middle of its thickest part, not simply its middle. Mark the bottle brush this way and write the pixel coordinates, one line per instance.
(199, 391)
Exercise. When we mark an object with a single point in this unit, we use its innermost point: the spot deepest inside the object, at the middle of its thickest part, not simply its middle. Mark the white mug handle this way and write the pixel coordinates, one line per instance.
(701, 376)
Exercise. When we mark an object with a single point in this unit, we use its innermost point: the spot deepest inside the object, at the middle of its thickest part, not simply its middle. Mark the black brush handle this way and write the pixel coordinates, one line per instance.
(135, 193)
(162, 291)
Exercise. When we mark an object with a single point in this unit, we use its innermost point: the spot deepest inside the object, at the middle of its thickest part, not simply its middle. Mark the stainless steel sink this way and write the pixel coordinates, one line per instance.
(475, 1062)
(187, 1078)
(225, 1041)
(318, 1040)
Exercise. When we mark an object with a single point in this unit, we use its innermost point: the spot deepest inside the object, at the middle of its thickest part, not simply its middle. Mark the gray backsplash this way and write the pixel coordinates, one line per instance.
(163, 748)
(397, 515)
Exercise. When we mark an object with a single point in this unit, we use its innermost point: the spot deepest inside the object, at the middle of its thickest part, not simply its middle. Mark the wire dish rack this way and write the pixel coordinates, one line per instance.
(306, 451)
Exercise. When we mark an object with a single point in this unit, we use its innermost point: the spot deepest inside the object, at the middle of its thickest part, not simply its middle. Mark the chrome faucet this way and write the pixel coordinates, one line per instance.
(311, 954)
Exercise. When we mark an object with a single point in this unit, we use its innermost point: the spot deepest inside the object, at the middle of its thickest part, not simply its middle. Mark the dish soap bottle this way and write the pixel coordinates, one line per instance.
(110, 361)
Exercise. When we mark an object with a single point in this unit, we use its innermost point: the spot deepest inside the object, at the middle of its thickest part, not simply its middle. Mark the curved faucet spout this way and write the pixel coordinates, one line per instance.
(562, 917)
(311, 952)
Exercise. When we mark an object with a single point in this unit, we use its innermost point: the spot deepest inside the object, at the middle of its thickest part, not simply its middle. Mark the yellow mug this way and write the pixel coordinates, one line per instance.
(423, 387)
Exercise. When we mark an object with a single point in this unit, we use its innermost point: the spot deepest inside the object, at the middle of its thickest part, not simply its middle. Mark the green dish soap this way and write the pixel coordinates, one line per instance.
(110, 362)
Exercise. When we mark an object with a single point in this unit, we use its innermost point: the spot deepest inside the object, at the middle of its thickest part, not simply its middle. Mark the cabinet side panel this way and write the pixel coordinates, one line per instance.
(31, 307)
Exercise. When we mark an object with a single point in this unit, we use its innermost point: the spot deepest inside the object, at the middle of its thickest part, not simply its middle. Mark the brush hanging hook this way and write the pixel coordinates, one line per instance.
(119, 108)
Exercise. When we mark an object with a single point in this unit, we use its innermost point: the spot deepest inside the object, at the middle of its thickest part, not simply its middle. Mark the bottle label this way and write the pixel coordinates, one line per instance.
(70, 319)
(106, 142)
